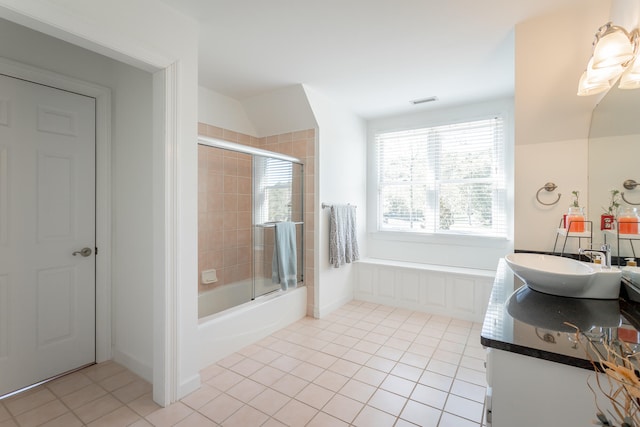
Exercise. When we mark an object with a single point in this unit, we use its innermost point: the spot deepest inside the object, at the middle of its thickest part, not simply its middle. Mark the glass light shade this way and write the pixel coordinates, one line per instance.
(613, 48)
(588, 87)
(631, 78)
(600, 74)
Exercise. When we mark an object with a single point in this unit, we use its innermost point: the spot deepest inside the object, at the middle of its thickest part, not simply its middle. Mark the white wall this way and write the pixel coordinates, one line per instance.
(341, 166)
(218, 110)
(149, 34)
(561, 162)
(457, 251)
(280, 111)
(132, 261)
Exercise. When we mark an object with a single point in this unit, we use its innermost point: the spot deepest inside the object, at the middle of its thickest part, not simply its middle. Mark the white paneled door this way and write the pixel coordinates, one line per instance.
(47, 232)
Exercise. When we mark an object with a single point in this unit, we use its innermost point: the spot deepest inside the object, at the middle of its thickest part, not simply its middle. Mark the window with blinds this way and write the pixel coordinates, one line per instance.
(443, 179)
(275, 187)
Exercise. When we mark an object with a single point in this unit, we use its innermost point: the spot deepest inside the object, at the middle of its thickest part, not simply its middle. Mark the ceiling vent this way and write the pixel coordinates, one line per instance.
(424, 100)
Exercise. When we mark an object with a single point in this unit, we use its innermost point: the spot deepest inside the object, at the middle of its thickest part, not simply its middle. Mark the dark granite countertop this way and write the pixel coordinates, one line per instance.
(531, 323)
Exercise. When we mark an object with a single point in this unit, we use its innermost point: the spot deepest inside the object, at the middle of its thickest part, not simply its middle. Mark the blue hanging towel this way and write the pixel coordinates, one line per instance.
(284, 266)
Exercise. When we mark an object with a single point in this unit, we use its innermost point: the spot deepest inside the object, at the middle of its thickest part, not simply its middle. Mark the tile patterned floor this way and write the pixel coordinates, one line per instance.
(364, 365)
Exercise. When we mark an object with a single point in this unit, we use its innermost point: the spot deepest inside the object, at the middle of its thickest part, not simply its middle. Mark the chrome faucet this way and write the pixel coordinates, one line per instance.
(605, 251)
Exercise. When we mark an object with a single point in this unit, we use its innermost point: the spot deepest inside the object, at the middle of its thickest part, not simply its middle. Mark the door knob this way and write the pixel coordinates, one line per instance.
(85, 252)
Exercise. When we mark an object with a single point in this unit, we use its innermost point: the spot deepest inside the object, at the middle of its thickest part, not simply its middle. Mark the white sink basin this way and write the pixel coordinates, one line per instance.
(565, 277)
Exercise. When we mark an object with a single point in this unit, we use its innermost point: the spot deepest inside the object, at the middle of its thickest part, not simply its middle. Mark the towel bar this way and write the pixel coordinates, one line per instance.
(327, 205)
(273, 224)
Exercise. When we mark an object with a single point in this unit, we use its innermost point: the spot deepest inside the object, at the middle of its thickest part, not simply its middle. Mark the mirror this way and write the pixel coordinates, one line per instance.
(614, 156)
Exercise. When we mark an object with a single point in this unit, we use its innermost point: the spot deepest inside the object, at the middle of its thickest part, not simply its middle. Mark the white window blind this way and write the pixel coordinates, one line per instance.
(275, 186)
(443, 179)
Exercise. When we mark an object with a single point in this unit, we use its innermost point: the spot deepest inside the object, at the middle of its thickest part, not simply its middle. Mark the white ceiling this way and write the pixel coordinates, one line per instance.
(375, 56)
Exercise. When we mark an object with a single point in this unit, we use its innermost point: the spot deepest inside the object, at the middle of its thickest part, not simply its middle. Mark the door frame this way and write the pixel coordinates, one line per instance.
(102, 96)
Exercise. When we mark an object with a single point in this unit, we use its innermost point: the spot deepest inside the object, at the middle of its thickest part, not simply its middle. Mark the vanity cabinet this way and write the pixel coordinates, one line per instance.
(538, 369)
(526, 391)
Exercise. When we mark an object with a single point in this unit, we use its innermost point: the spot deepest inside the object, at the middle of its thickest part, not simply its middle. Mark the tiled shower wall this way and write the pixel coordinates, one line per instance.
(212, 242)
(224, 215)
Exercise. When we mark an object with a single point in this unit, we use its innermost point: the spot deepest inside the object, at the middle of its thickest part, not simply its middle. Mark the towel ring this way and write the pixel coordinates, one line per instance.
(549, 186)
(629, 184)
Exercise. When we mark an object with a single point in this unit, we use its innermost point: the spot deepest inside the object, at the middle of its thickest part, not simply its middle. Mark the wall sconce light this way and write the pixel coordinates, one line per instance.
(615, 54)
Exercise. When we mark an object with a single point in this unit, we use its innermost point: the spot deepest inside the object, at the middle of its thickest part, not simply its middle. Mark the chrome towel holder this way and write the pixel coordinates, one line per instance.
(549, 186)
(629, 184)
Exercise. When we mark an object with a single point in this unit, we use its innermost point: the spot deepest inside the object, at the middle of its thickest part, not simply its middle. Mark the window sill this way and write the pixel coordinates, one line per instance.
(441, 239)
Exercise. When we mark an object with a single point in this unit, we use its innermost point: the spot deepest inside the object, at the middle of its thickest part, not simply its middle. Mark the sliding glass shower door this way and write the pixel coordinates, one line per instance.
(277, 197)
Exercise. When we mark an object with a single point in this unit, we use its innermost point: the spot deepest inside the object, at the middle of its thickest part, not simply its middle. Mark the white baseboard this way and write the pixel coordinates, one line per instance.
(143, 370)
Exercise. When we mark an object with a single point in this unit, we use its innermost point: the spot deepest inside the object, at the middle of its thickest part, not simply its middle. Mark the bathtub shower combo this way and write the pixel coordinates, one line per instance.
(256, 232)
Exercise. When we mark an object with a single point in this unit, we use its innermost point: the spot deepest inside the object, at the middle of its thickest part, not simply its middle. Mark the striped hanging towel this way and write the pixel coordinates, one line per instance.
(343, 242)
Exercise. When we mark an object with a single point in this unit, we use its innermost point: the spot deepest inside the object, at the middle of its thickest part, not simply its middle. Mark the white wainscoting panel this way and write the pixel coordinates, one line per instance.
(456, 292)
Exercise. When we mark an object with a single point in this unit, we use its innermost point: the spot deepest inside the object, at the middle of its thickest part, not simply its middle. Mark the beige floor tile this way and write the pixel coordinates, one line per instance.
(246, 390)
(468, 390)
(289, 385)
(315, 396)
(343, 408)
(132, 390)
(398, 385)
(121, 417)
(472, 376)
(267, 375)
(285, 363)
(246, 416)
(225, 380)
(436, 380)
(345, 367)
(220, 408)
(29, 400)
(69, 384)
(322, 360)
(246, 367)
(265, 356)
(331, 380)
(170, 415)
(41, 414)
(97, 408)
(357, 390)
(295, 413)
(450, 420)
(407, 372)
(270, 401)
(272, 422)
(420, 414)
(4, 414)
(307, 371)
(388, 402)
(66, 420)
(84, 395)
(196, 420)
(443, 368)
(372, 417)
(464, 408)
(429, 396)
(103, 370)
(200, 397)
(417, 360)
(144, 405)
(118, 380)
(362, 364)
(141, 423)
(325, 420)
(357, 356)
